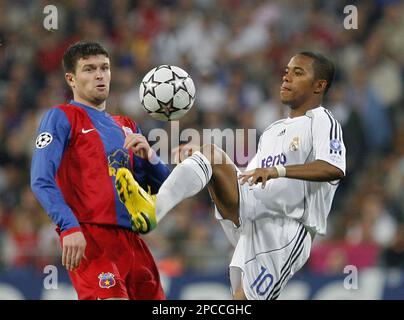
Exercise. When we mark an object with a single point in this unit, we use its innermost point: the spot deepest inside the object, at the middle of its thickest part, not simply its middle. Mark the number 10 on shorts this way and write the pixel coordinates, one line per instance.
(263, 282)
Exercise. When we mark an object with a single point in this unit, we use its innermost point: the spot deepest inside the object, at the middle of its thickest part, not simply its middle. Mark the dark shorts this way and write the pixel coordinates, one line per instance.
(117, 264)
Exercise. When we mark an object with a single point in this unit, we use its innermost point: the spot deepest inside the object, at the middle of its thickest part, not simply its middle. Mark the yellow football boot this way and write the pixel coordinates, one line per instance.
(140, 204)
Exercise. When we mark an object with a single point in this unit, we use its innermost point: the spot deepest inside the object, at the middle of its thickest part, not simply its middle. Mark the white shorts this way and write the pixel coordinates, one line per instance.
(268, 251)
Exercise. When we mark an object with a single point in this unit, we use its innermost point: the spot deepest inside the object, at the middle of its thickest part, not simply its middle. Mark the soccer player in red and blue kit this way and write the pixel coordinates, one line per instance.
(78, 151)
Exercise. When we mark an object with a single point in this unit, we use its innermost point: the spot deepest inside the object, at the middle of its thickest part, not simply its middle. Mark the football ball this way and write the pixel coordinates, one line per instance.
(167, 92)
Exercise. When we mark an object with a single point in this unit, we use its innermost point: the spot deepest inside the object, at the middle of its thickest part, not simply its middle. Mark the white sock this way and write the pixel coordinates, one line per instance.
(186, 180)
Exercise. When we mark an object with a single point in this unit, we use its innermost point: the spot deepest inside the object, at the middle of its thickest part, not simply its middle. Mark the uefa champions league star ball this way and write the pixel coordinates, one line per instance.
(167, 93)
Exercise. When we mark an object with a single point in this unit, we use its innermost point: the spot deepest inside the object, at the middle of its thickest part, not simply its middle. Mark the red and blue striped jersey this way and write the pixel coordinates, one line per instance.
(78, 150)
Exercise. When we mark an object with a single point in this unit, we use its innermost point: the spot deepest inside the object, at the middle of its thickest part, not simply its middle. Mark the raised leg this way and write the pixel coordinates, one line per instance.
(223, 186)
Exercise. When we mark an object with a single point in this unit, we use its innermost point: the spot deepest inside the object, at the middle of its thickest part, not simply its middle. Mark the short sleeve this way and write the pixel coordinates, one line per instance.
(328, 144)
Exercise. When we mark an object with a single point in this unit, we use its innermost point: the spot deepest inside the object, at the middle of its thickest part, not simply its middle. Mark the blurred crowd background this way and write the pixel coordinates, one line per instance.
(236, 52)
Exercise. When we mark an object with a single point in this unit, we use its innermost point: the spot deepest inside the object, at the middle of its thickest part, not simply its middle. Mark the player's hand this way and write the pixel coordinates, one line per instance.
(73, 250)
(258, 175)
(183, 151)
(139, 145)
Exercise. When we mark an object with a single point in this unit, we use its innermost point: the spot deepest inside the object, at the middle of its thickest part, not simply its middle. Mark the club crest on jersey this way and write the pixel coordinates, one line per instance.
(127, 130)
(335, 145)
(43, 140)
(294, 145)
(118, 159)
(107, 280)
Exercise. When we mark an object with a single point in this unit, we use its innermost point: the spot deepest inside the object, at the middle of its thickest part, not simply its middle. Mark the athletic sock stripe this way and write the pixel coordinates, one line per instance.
(207, 168)
(205, 165)
(199, 162)
(279, 284)
(285, 268)
(198, 159)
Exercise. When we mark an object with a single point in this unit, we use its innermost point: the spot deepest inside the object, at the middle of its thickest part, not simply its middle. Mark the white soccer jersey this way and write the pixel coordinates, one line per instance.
(314, 136)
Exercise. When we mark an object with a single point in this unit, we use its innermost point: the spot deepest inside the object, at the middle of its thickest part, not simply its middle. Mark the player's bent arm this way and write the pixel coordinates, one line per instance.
(318, 170)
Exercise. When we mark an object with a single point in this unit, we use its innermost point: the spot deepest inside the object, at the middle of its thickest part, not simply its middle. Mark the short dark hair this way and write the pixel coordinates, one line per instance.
(81, 49)
(323, 67)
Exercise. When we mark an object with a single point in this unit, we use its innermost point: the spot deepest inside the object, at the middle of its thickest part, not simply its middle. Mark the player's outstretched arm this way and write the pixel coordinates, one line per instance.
(317, 170)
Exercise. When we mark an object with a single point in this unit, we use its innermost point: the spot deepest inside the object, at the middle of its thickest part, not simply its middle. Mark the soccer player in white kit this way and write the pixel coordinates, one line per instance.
(272, 211)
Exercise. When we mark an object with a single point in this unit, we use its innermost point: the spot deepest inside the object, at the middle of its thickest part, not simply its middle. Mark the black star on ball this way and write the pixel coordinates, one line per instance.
(178, 82)
(150, 87)
(166, 107)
